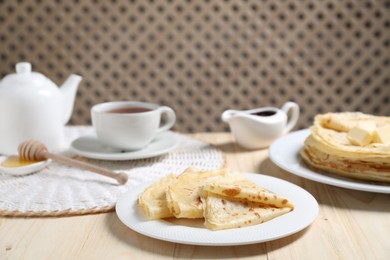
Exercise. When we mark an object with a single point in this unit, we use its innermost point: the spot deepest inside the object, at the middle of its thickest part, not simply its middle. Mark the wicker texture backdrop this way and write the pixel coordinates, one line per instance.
(202, 57)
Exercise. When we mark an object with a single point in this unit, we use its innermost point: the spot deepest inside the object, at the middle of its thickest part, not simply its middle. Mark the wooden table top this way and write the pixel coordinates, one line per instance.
(350, 225)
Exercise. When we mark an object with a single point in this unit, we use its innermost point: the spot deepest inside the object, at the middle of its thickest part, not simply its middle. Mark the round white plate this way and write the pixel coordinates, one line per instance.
(284, 152)
(90, 146)
(27, 169)
(193, 232)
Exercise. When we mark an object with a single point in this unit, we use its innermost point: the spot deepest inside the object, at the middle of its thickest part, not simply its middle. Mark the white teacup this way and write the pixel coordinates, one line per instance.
(130, 125)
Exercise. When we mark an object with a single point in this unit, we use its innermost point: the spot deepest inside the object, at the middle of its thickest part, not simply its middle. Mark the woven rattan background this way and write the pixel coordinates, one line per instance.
(202, 57)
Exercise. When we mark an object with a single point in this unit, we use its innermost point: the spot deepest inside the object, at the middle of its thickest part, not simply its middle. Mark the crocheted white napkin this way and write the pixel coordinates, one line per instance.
(61, 190)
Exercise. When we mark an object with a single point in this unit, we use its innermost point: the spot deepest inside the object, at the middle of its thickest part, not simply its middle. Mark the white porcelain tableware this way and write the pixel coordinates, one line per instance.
(91, 147)
(258, 128)
(130, 125)
(193, 232)
(284, 152)
(11, 165)
(33, 107)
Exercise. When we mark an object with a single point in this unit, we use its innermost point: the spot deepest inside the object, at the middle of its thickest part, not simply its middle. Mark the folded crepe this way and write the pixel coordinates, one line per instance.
(183, 196)
(236, 186)
(225, 199)
(153, 200)
(329, 149)
(233, 201)
(224, 213)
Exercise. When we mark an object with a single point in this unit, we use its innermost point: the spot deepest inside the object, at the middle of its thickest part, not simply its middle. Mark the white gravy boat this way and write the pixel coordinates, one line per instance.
(258, 128)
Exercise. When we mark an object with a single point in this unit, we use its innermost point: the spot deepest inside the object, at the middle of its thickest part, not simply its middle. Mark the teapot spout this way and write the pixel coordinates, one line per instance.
(68, 90)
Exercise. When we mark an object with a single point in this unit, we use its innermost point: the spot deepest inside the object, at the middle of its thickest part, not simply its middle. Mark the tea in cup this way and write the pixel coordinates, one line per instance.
(130, 125)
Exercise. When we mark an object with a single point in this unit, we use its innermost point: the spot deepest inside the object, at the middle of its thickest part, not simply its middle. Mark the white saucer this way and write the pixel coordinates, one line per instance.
(90, 146)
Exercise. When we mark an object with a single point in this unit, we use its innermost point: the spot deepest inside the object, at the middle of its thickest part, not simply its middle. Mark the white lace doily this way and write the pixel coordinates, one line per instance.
(59, 190)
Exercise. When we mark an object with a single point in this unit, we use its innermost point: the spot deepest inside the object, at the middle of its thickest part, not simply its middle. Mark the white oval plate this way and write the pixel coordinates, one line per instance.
(194, 233)
(89, 146)
(27, 169)
(284, 152)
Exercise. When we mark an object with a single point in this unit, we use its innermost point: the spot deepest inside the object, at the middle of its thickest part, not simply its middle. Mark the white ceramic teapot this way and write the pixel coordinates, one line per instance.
(33, 107)
(258, 128)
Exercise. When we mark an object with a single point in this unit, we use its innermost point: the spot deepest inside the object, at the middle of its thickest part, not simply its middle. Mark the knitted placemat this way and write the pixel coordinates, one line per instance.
(59, 190)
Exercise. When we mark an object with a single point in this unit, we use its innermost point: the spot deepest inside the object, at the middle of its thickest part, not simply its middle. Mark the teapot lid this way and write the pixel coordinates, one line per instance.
(23, 67)
(24, 75)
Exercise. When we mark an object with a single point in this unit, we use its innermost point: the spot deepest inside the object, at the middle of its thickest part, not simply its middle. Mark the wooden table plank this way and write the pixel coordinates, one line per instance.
(350, 225)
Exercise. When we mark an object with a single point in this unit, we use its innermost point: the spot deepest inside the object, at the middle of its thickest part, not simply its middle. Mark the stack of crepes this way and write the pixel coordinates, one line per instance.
(330, 146)
(225, 199)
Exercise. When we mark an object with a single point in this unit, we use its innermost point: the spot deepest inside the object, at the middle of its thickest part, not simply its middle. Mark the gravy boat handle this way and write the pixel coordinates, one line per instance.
(294, 115)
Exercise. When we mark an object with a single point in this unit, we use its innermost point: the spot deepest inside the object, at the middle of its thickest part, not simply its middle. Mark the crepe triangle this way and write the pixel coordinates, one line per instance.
(153, 199)
(221, 213)
(236, 186)
(183, 196)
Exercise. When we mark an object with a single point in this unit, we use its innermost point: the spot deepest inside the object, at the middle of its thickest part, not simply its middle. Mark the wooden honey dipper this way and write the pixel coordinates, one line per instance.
(33, 150)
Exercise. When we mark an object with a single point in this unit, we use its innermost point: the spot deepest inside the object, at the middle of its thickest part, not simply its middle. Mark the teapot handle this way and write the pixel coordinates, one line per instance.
(294, 115)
